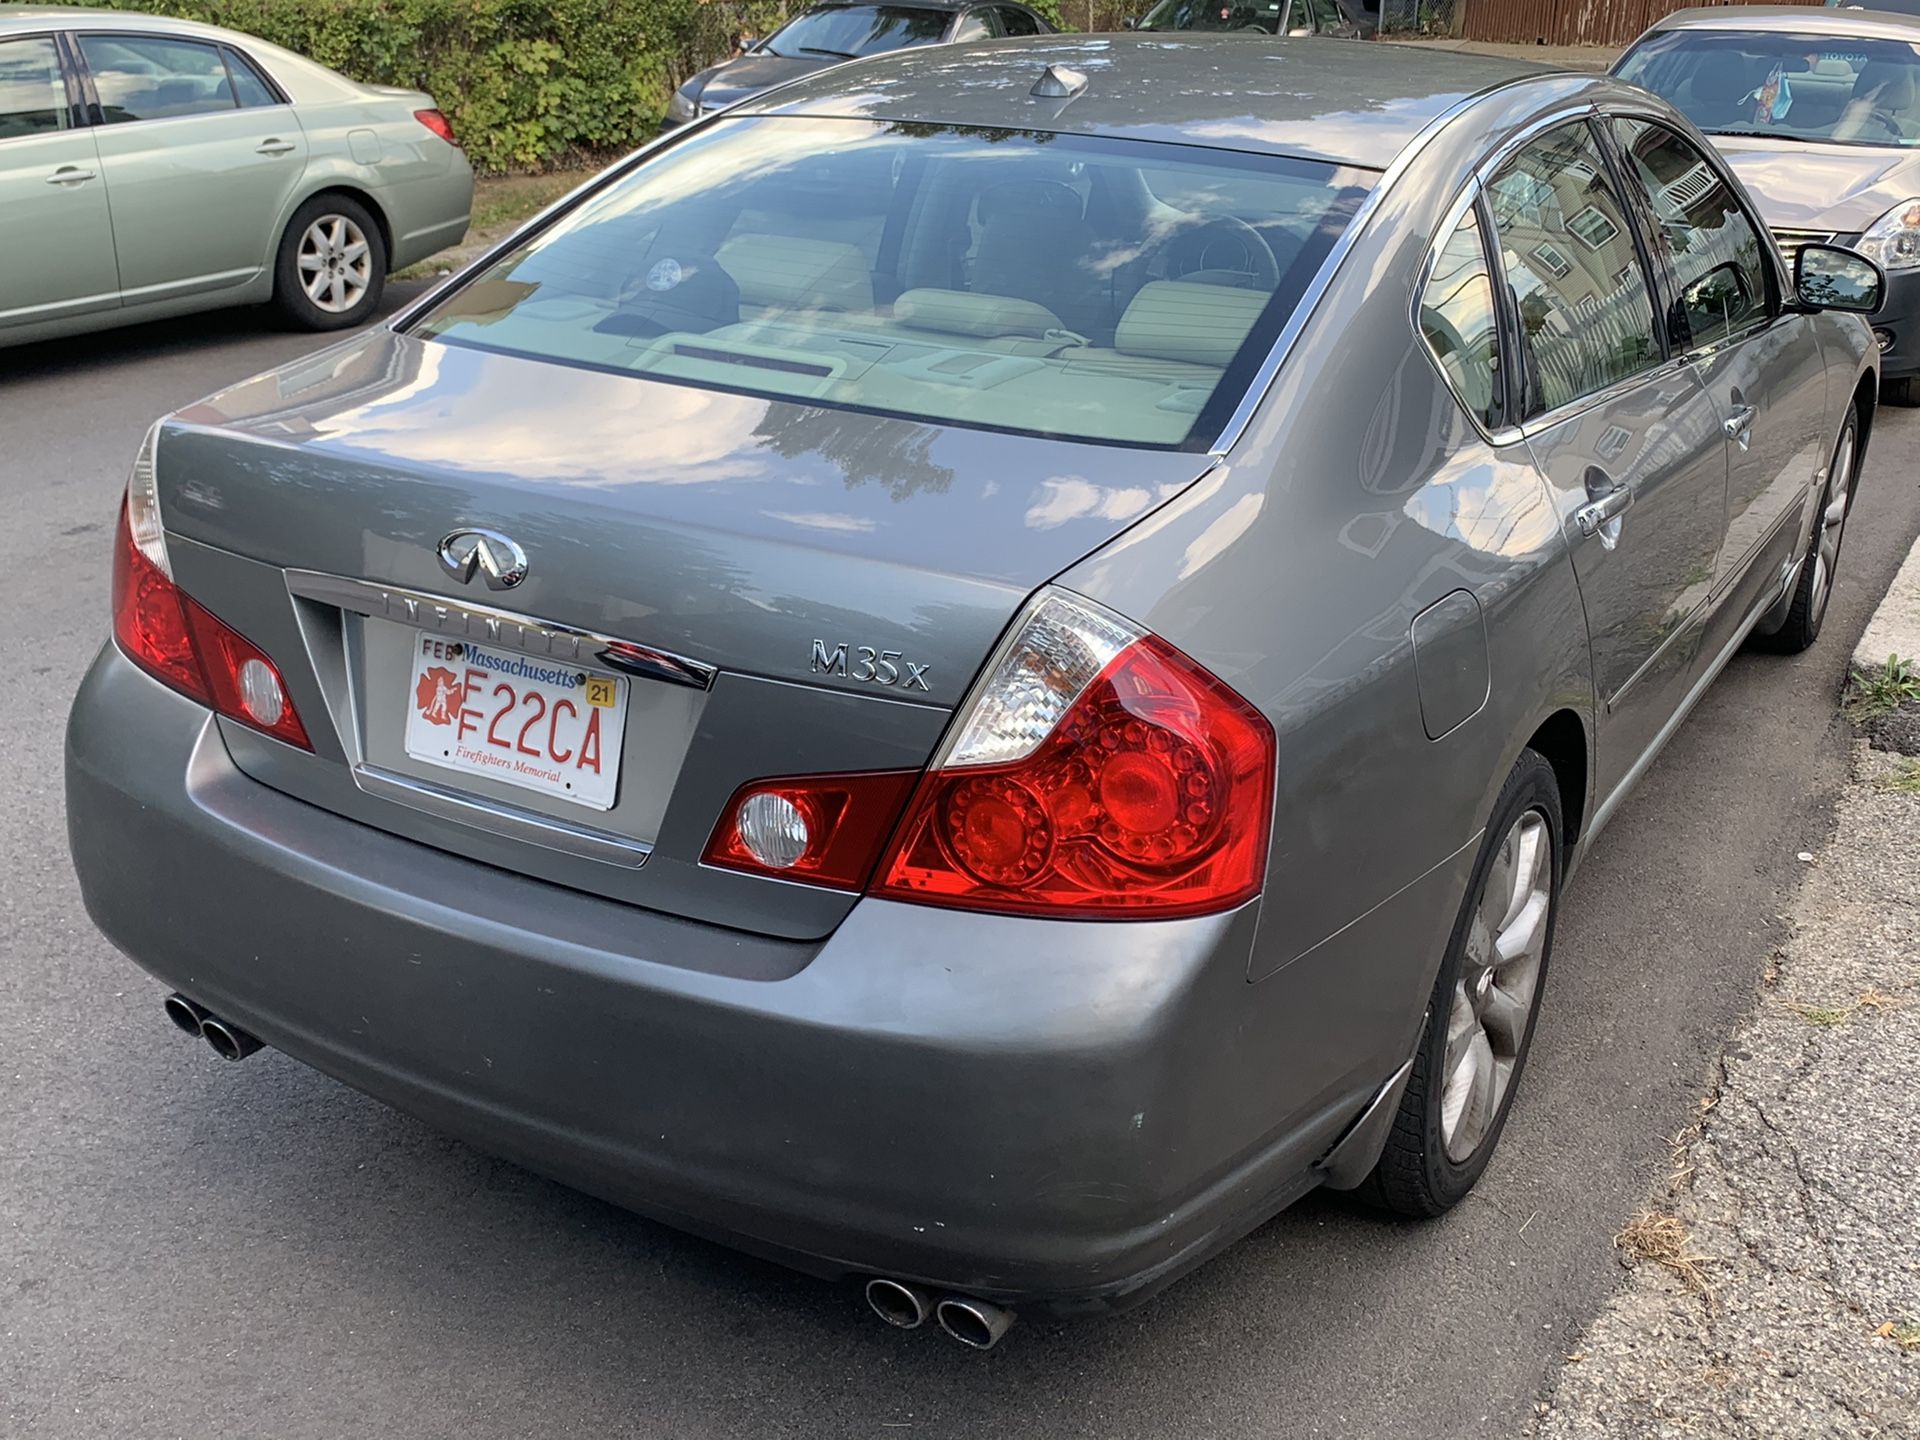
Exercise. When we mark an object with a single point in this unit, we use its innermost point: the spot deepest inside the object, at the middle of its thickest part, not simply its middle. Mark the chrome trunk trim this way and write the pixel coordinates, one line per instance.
(496, 818)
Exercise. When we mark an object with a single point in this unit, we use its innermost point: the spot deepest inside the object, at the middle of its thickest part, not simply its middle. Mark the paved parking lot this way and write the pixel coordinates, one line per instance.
(188, 1247)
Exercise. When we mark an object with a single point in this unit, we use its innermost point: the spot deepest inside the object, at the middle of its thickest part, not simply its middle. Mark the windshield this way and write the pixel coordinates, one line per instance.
(1846, 90)
(844, 31)
(1115, 291)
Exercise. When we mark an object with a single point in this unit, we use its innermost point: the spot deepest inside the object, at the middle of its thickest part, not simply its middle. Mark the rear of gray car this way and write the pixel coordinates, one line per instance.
(925, 679)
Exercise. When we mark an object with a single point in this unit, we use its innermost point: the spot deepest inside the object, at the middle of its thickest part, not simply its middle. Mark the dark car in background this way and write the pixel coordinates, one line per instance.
(1818, 111)
(830, 34)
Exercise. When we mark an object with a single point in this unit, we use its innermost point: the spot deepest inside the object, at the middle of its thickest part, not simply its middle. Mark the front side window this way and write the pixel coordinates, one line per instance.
(1842, 90)
(1460, 324)
(33, 96)
(1719, 265)
(1566, 248)
(1017, 22)
(1116, 291)
(973, 27)
(148, 77)
(842, 32)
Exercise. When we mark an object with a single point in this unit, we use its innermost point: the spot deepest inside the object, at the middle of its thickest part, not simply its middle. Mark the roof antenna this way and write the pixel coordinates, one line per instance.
(1059, 83)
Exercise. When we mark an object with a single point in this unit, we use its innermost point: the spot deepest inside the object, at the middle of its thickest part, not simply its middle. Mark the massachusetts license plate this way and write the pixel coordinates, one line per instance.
(518, 719)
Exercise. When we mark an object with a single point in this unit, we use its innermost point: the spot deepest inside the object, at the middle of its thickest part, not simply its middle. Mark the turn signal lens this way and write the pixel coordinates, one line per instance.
(823, 829)
(180, 643)
(1098, 772)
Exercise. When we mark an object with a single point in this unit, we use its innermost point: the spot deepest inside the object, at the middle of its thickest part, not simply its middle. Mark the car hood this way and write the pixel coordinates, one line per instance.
(732, 529)
(735, 80)
(1841, 189)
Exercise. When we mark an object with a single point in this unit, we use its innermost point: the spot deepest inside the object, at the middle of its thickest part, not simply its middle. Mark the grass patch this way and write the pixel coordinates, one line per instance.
(1663, 1239)
(1882, 691)
(1904, 1333)
(1823, 1014)
(1905, 779)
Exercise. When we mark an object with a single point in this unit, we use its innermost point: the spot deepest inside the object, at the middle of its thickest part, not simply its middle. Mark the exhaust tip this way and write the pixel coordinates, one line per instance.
(898, 1304)
(185, 1014)
(229, 1042)
(979, 1324)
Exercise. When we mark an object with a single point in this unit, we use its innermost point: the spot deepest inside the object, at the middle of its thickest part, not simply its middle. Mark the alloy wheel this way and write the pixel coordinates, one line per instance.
(1833, 521)
(1492, 1003)
(335, 263)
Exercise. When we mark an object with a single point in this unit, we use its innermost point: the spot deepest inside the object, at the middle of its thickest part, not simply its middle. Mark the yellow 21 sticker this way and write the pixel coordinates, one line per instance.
(601, 690)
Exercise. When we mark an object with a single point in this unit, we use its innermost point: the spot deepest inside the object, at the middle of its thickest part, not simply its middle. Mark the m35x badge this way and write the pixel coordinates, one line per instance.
(868, 665)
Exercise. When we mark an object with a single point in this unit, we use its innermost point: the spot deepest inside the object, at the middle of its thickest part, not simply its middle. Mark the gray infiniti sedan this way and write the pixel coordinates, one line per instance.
(1818, 111)
(990, 736)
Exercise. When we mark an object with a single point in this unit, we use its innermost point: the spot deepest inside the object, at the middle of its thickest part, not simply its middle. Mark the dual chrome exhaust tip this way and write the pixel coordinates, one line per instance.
(978, 1324)
(228, 1040)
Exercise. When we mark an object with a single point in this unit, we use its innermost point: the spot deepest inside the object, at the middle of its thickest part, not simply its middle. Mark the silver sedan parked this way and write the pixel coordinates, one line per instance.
(153, 167)
(967, 678)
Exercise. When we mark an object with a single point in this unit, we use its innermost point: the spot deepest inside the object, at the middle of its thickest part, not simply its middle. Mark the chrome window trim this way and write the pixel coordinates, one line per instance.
(494, 817)
(1574, 409)
(1317, 288)
(502, 628)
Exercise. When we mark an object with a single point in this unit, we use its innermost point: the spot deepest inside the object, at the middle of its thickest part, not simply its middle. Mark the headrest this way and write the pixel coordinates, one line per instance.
(1888, 82)
(958, 312)
(1721, 84)
(797, 273)
(1179, 320)
(1029, 197)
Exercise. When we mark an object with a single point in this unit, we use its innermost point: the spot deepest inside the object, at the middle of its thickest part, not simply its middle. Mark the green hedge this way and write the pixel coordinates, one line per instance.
(528, 84)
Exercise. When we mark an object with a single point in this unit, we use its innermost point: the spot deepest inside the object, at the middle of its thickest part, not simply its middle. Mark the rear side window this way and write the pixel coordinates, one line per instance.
(973, 26)
(33, 96)
(248, 83)
(1567, 250)
(148, 77)
(1117, 291)
(1017, 22)
(1719, 268)
(1460, 324)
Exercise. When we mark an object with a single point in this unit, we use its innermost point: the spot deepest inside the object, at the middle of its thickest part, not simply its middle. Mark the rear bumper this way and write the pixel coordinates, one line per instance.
(1029, 1111)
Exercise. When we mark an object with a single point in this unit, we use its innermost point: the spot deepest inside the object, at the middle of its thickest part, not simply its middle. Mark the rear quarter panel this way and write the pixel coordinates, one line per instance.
(1360, 496)
(421, 186)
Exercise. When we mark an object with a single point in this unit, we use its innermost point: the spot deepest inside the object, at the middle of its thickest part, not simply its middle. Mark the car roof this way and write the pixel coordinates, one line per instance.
(1797, 20)
(76, 17)
(1347, 101)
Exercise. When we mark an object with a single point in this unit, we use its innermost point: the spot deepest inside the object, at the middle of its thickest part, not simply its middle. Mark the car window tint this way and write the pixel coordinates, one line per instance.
(33, 97)
(248, 83)
(954, 274)
(1569, 257)
(973, 27)
(1458, 319)
(146, 77)
(1017, 22)
(1719, 267)
(1321, 16)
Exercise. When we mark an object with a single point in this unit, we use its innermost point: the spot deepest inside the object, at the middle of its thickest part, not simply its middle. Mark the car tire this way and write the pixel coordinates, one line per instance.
(331, 268)
(1814, 587)
(1480, 1022)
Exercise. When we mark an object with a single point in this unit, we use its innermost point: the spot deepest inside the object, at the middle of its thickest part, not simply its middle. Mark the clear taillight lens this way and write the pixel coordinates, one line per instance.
(1097, 772)
(822, 829)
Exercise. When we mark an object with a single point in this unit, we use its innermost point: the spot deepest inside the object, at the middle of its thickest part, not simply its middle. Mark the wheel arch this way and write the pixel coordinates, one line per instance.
(347, 190)
(1866, 400)
(1564, 740)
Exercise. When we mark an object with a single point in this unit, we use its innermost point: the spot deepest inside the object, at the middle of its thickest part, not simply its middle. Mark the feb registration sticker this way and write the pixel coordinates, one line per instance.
(519, 719)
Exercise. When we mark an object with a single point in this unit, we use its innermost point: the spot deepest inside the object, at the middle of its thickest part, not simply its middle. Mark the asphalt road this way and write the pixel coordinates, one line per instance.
(190, 1247)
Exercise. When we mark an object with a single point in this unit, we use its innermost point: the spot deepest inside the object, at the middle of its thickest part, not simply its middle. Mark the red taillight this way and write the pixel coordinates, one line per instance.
(437, 123)
(1151, 795)
(823, 829)
(179, 642)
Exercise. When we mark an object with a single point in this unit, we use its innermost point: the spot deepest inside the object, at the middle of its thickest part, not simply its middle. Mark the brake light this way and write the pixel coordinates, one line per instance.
(437, 123)
(1098, 772)
(825, 829)
(177, 640)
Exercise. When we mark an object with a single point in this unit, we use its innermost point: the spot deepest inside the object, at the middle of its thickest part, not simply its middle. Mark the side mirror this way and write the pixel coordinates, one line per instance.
(746, 44)
(1130, 23)
(1828, 277)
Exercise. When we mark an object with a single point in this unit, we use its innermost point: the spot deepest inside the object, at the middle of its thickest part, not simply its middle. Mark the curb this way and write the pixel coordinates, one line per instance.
(1895, 626)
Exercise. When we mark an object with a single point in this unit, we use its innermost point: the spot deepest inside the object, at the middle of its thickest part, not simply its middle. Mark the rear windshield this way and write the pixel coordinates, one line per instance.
(841, 32)
(1843, 90)
(1120, 292)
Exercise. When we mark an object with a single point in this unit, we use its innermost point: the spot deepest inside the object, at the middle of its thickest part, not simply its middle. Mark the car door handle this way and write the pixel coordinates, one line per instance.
(1593, 516)
(1739, 425)
(275, 147)
(70, 175)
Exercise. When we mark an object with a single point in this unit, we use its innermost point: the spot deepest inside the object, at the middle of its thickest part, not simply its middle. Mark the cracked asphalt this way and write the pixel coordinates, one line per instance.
(1798, 1185)
(189, 1247)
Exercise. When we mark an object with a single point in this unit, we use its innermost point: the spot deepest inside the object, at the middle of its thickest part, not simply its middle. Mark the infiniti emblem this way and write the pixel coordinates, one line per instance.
(503, 563)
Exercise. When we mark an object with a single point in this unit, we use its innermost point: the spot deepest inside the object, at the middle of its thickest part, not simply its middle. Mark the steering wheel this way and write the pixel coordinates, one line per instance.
(1886, 122)
(1223, 245)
